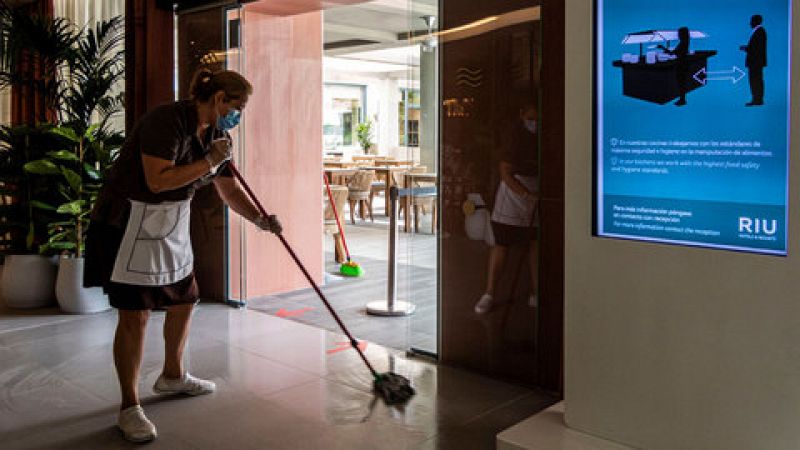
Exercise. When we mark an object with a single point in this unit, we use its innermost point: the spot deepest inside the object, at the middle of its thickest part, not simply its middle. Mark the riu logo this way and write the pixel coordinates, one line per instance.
(758, 226)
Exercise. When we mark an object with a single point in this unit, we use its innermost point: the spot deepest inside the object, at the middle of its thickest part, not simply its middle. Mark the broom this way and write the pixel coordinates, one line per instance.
(349, 268)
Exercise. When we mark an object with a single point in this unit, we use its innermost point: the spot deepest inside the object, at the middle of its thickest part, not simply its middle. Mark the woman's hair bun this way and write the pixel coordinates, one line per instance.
(207, 82)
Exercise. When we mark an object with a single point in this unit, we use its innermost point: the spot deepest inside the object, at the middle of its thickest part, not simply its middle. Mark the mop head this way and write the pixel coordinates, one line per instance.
(393, 388)
(351, 269)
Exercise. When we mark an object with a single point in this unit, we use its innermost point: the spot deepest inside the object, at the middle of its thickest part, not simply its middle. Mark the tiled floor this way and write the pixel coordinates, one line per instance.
(547, 430)
(281, 385)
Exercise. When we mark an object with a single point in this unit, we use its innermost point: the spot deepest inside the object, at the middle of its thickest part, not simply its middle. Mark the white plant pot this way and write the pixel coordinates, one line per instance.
(72, 296)
(28, 281)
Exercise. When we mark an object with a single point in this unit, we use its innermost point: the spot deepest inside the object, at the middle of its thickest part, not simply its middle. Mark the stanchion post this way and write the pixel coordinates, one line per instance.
(390, 306)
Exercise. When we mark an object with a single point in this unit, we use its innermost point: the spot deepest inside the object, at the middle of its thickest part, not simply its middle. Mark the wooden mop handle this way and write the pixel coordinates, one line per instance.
(247, 189)
(302, 267)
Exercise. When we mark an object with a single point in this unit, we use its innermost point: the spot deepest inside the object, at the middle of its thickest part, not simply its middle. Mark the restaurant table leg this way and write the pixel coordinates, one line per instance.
(389, 184)
(406, 213)
(339, 252)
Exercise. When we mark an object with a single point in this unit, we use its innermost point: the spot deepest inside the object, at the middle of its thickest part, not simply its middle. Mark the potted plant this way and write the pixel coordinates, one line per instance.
(76, 177)
(72, 170)
(32, 48)
(364, 133)
(96, 66)
(28, 277)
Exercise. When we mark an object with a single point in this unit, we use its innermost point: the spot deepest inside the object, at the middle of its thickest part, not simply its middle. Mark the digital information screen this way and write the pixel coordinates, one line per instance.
(692, 122)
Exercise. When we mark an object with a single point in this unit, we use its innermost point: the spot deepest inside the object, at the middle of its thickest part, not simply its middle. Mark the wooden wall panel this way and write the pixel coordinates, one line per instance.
(506, 66)
(149, 59)
(550, 334)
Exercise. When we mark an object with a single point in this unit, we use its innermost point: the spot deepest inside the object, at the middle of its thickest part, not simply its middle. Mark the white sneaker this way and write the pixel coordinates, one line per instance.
(187, 385)
(135, 426)
(484, 304)
(533, 301)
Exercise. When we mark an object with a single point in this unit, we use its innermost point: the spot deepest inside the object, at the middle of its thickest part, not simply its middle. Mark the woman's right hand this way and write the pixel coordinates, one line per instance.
(529, 197)
(219, 153)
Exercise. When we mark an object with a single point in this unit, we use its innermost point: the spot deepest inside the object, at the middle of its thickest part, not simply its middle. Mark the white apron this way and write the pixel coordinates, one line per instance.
(513, 209)
(156, 249)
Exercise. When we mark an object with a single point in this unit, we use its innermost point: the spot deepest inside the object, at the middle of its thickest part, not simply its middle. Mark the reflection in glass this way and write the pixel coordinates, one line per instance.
(343, 110)
(490, 128)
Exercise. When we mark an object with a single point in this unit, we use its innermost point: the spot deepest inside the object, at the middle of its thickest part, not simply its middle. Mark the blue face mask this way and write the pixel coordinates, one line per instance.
(530, 125)
(229, 120)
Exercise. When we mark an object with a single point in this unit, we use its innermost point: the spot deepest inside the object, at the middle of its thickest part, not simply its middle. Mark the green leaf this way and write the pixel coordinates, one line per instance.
(62, 189)
(90, 132)
(91, 171)
(72, 208)
(73, 179)
(62, 245)
(42, 205)
(41, 167)
(64, 155)
(59, 237)
(66, 132)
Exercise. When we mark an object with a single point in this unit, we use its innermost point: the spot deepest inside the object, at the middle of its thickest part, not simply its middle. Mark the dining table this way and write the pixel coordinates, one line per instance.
(397, 163)
(339, 164)
(339, 175)
(385, 173)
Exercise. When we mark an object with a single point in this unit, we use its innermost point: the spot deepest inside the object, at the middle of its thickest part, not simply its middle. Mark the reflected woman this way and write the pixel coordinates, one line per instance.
(515, 204)
(682, 69)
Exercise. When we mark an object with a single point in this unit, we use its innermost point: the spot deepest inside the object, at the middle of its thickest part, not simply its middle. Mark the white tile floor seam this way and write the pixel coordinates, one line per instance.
(281, 385)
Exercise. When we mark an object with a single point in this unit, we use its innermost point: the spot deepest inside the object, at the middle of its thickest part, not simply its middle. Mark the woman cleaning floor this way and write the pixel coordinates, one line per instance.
(138, 246)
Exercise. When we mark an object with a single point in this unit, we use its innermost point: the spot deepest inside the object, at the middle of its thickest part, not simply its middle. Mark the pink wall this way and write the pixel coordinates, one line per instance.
(283, 158)
(293, 7)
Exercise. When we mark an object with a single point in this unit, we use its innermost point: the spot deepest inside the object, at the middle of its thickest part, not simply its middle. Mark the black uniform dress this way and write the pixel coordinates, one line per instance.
(168, 132)
(520, 149)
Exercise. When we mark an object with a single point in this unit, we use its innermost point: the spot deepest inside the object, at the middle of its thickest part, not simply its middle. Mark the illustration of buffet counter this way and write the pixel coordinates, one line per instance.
(652, 75)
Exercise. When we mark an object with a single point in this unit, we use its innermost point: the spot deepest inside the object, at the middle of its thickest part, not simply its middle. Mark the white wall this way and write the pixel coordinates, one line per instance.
(383, 96)
(672, 347)
(85, 13)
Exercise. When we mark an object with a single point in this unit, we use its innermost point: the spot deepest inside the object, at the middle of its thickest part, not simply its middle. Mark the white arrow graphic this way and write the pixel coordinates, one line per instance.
(735, 75)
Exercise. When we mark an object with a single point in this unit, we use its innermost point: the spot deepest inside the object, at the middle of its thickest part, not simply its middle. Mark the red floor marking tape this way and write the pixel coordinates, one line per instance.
(296, 313)
(342, 346)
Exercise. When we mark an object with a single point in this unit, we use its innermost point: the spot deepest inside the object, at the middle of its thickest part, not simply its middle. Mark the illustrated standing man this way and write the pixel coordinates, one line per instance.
(756, 60)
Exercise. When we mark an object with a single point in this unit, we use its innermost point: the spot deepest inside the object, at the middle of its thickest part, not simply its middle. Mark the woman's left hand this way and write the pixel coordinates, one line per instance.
(269, 223)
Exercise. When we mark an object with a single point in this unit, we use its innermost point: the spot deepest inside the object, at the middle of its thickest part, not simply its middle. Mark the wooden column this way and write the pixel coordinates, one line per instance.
(149, 59)
(550, 333)
(29, 104)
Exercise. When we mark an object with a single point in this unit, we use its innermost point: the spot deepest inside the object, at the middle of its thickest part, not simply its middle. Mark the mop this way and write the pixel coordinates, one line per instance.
(393, 388)
(349, 268)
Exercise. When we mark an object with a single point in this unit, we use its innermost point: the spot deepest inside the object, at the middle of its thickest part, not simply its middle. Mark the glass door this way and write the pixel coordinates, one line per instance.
(491, 128)
(419, 125)
(211, 37)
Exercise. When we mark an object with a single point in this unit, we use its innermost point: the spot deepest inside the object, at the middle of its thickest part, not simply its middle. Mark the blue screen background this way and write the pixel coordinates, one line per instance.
(714, 112)
(632, 205)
